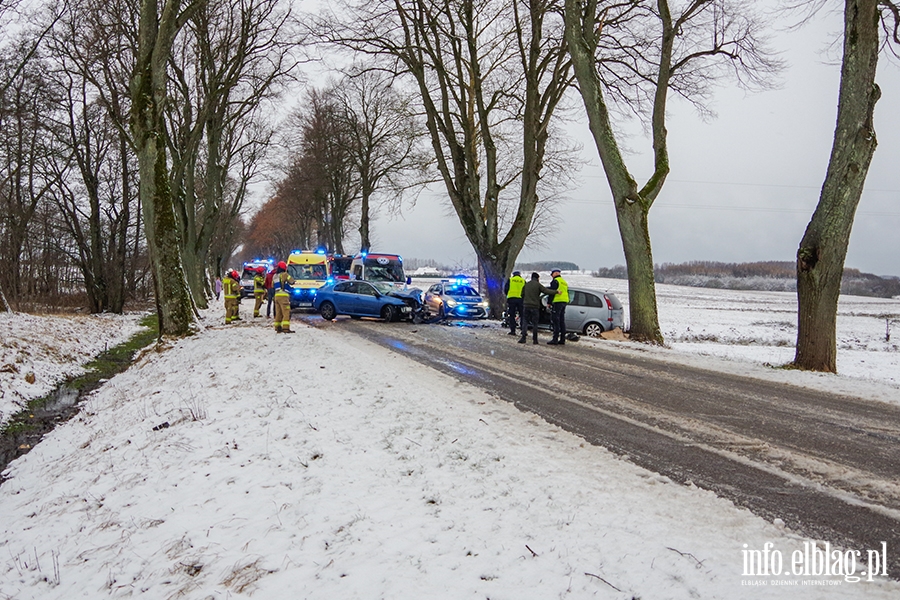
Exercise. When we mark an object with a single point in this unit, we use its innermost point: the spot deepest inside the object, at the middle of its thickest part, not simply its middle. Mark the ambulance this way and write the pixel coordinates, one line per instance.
(372, 266)
(310, 271)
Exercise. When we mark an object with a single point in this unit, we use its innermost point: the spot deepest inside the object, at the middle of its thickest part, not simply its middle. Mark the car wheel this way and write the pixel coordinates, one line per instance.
(593, 330)
(388, 312)
(327, 311)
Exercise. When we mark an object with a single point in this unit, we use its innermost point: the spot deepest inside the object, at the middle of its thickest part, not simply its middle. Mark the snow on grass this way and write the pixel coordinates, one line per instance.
(241, 463)
(47, 349)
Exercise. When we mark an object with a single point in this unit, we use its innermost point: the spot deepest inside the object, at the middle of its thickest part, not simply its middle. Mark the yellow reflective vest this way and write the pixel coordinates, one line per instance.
(516, 283)
(562, 294)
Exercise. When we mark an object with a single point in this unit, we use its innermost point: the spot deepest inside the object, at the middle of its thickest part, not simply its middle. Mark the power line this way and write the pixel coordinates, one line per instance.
(745, 184)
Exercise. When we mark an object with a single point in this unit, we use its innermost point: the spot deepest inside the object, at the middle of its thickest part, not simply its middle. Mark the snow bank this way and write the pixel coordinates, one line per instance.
(47, 349)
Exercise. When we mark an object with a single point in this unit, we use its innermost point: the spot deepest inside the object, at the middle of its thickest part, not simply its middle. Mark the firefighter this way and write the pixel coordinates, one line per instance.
(558, 312)
(259, 289)
(281, 283)
(231, 286)
(514, 302)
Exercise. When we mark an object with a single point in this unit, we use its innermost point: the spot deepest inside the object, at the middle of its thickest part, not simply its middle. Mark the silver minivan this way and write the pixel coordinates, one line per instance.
(591, 312)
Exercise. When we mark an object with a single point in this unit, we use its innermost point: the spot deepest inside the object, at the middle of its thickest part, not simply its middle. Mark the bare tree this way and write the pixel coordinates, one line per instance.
(159, 23)
(27, 172)
(489, 79)
(823, 249)
(384, 137)
(322, 170)
(644, 49)
(231, 58)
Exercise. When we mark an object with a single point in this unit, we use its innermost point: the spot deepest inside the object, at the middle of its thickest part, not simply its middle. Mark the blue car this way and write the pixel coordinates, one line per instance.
(362, 299)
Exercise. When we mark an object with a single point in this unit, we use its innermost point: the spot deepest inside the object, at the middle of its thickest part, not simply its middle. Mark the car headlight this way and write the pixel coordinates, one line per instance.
(450, 302)
(483, 304)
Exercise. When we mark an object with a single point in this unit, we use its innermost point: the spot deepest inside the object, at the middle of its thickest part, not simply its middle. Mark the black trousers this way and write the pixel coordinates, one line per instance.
(514, 306)
(530, 319)
(558, 321)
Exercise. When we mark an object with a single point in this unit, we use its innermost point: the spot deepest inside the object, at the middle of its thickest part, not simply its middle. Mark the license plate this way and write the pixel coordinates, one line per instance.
(304, 305)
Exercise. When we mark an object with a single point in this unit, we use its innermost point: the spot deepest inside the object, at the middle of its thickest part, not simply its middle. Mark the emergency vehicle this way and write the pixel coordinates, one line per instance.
(370, 266)
(310, 271)
(340, 265)
(249, 272)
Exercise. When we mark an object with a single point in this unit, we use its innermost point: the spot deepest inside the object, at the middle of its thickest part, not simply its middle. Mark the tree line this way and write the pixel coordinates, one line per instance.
(131, 133)
(776, 276)
(96, 120)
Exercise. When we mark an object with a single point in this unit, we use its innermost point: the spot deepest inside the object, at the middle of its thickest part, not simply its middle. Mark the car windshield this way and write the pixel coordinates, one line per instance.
(308, 272)
(461, 290)
(389, 271)
(382, 286)
(248, 274)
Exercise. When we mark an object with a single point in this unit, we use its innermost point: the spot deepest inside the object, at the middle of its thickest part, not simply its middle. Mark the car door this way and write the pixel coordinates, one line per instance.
(368, 301)
(433, 298)
(576, 311)
(344, 297)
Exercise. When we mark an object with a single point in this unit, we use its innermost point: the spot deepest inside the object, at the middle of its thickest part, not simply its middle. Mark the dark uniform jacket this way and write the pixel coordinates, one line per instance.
(531, 293)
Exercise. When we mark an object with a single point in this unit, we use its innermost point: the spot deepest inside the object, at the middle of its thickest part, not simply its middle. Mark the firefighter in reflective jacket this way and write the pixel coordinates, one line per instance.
(231, 287)
(558, 313)
(259, 289)
(281, 283)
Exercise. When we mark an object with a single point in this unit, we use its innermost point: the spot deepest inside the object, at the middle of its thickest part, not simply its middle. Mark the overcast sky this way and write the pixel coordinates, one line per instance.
(742, 186)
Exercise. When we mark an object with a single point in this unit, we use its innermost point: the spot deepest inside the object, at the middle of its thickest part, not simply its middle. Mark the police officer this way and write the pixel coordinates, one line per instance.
(531, 295)
(514, 302)
(559, 302)
(231, 286)
(259, 289)
(281, 283)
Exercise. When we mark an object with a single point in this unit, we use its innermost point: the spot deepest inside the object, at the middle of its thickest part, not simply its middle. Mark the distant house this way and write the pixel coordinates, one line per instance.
(426, 272)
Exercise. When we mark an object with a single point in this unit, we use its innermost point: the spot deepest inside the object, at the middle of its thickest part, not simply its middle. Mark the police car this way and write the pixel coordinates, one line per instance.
(455, 298)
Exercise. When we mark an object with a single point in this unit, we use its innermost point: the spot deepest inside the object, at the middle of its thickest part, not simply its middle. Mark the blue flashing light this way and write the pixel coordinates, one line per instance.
(296, 251)
(364, 254)
(320, 251)
(329, 280)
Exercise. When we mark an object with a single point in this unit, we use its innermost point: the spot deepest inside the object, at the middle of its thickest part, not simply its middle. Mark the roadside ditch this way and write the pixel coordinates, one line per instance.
(26, 428)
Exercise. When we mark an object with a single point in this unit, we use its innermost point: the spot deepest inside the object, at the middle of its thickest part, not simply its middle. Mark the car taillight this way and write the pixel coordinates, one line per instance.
(608, 303)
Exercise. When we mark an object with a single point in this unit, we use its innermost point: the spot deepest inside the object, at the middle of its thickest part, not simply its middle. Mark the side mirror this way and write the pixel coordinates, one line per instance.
(408, 280)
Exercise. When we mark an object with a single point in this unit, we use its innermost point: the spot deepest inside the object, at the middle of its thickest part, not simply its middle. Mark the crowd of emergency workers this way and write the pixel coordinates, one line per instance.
(523, 299)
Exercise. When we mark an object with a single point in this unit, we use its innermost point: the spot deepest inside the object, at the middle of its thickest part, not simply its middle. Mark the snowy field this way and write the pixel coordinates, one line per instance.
(39, 351)
(239, 463)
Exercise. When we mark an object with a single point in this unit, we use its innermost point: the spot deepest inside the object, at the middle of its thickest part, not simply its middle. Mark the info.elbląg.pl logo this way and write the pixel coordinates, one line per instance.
(815, 560)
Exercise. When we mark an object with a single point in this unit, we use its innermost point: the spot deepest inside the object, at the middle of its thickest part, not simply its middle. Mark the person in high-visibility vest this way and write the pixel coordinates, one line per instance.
(281, 283)
(231, 286)
(514, 303)
(531, 298)
(259, 289)
(559, 302)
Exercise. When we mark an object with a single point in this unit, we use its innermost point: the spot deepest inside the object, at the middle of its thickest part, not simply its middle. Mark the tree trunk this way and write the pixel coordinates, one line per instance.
(642, 308)
(174, 305)
(823, 249)
(632, 205)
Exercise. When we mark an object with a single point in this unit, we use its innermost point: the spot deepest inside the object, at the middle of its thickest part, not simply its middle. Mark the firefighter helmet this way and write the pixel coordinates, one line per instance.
(282, 265)
(260, 270)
